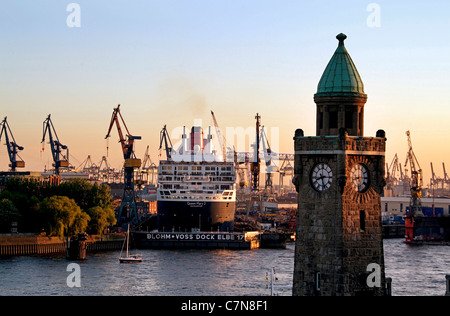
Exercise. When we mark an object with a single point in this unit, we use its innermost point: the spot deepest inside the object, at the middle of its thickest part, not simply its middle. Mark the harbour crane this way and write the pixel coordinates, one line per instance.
(286, 169)
(415, 207)
(128, 208)
(391, 170)
(148, 167)
(164, 137)
(435, 181)
(416, 173)
(237, 164)
(220, 137)
(59, 160)
(446, 179)
(89, 167)
(12, 147)
(267, 158)
(105, 172)
(254, 165)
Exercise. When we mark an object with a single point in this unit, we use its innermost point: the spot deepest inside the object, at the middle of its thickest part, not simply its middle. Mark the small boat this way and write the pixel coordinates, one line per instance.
(128, 258)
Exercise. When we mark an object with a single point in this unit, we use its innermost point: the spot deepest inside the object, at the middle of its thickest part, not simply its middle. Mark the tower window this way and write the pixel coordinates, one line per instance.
(321, 120)
(333, 119)
(362, 221)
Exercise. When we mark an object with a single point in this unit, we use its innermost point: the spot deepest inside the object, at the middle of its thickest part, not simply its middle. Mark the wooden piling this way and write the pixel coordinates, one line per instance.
(388, 287)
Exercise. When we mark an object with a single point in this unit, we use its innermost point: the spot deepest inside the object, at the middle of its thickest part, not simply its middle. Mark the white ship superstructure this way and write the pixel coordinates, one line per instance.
(196, 188)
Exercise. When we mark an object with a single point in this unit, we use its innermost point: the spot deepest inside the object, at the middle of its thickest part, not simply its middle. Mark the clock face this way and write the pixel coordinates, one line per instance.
(360, 177)
(321, 177)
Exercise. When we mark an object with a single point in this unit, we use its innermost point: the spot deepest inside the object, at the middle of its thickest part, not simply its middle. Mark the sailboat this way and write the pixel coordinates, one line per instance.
(128, 258)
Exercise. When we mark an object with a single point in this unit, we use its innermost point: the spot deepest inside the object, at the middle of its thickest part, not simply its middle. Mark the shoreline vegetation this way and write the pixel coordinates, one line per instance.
(56, 210)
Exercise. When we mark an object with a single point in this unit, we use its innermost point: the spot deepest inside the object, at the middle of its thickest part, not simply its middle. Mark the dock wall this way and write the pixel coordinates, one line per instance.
(36, 245)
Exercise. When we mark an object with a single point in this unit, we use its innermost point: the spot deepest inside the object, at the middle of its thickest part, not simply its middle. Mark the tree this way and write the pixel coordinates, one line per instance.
(8, 214)
(27, 206)
(28, 195)
(85, 194)
(100, 218)
(62, 216)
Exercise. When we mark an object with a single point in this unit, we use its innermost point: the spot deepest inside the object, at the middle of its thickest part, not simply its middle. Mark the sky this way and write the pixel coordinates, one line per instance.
(170, 62)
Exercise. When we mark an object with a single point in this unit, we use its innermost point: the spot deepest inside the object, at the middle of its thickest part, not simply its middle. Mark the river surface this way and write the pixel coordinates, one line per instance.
(417, 270)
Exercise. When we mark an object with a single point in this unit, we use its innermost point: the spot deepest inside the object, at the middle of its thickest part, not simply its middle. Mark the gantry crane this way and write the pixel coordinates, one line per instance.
(415, 206)
(128, 208)
(89, 167)
(391, 170)
(286, 169)
(148, 167)
(12, 147)
(435, 181)
(105, 172)
(59, 160)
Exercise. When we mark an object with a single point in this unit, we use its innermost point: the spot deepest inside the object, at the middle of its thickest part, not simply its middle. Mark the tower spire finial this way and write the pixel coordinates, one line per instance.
(341, 38)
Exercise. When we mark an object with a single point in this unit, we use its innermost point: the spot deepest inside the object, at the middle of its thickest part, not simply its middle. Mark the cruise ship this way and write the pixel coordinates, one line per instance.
(196, 187)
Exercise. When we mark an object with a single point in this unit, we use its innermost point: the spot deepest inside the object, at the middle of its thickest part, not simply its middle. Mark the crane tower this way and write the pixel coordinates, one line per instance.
(415, 206)
(59, 159)
(128, 208)
(12, 147)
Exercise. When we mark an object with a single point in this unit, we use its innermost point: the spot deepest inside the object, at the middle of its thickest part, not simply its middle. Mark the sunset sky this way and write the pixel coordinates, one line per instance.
(172, 61)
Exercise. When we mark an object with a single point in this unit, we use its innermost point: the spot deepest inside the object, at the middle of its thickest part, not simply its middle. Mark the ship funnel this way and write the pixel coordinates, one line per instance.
(197, 139)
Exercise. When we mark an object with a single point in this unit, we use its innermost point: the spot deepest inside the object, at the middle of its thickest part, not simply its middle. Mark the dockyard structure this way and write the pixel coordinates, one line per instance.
(339, 177)
(128, 209)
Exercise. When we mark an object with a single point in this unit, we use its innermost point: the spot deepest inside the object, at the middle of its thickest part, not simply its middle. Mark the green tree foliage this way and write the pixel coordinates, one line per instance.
(8, 214)
(28, 196)
(100, 218)
(62, 216)
(27, 206)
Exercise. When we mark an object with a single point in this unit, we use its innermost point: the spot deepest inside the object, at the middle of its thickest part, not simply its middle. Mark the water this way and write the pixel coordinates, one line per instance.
(414, 270)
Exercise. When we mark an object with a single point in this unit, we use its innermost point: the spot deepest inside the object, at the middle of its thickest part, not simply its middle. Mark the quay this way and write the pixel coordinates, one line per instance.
(394, 231)
(11, 245)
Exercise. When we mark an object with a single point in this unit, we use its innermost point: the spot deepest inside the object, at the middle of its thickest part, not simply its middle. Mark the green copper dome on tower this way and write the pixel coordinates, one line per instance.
(341, 76)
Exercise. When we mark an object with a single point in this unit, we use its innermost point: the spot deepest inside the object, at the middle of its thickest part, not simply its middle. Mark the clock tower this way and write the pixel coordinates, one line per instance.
(339, 177)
